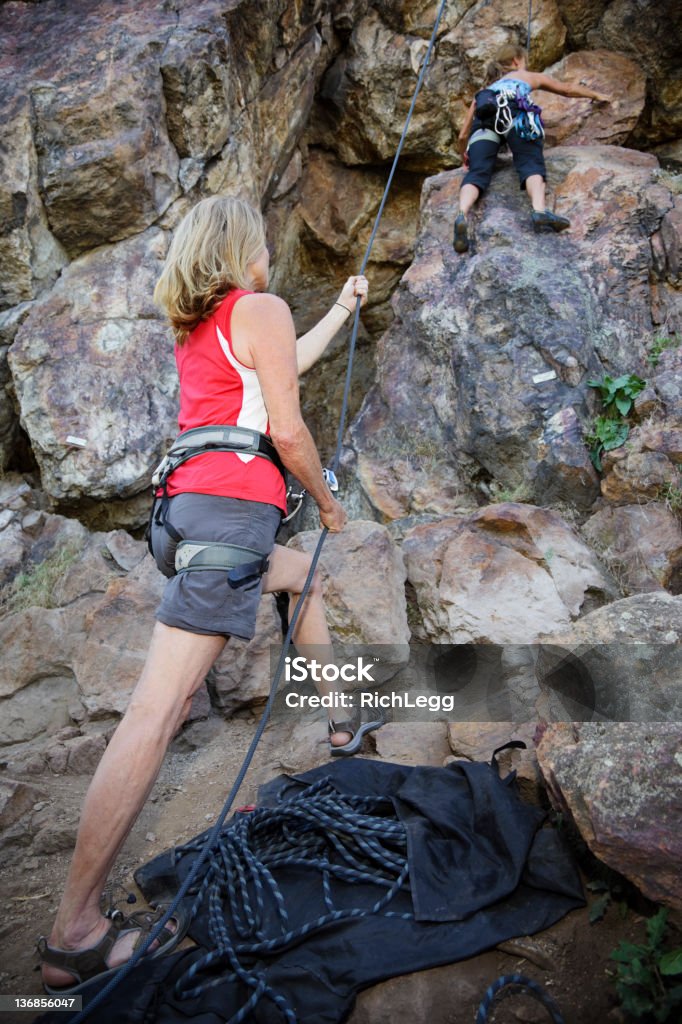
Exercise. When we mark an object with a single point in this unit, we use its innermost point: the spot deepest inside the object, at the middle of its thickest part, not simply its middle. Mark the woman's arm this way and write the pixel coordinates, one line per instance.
(466, 128)
(263, 336)
(310, 346)
(539, 81)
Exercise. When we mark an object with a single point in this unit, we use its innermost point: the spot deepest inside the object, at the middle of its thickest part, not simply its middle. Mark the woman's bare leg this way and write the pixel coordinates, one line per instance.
(177, 664)
(288, 572)
(468, 194)
(535, 187)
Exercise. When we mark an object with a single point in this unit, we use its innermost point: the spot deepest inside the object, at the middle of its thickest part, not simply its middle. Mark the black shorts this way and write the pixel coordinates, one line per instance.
(203, 601)
(527, 155)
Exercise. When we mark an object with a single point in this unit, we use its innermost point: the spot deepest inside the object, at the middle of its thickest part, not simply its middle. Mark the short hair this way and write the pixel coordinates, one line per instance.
(208, 257)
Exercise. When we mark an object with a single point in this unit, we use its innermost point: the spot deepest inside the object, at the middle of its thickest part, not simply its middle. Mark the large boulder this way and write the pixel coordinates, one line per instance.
(622, 784)
(619, 663)
(490, 352)
(94, 360)
(640, 544)
(363, 582)
(503, 575)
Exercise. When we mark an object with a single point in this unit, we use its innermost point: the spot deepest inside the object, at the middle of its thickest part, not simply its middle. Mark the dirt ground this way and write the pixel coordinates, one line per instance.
(571, 959)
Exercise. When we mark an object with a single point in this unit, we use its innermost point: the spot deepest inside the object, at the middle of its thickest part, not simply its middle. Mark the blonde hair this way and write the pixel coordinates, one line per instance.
(504, 61)
(209, 255)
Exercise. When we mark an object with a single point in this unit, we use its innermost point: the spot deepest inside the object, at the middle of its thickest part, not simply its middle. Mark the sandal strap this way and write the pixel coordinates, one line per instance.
(350, 725)
(341, 726)
(144, 921)
(85, 963)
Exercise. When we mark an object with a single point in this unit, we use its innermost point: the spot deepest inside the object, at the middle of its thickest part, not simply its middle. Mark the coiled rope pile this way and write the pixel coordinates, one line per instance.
(344, 838)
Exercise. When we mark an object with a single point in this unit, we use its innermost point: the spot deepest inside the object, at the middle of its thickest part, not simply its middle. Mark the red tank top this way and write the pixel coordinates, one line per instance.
(216, 388)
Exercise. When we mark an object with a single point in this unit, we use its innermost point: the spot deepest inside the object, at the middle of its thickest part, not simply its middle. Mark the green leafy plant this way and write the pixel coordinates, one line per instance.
(611, 430)
(659, 346)
(649, 975)
(619, 392)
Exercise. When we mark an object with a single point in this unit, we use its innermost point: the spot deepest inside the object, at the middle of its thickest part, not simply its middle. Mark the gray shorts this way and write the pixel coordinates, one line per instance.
(203, 601)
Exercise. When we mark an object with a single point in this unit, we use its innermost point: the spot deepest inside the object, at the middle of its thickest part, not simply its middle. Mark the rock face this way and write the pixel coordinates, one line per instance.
(366, 93)
(578, 121)
(520, 306)
(499, 576)
(647, 466)
(622, 663)
(111, 380)
(363, 580)
(640, 544)
(622, 785)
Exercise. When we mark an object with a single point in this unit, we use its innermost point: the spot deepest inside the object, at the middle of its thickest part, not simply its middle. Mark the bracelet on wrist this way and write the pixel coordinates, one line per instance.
(349, 311)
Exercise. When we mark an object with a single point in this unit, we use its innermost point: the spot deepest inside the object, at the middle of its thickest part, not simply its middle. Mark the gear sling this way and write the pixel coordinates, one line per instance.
(244, 565)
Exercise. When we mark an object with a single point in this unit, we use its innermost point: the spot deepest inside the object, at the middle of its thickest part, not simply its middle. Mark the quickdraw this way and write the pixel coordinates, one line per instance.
(298, 495)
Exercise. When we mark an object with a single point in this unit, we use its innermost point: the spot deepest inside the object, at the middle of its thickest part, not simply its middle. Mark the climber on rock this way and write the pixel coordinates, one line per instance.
(502, 112)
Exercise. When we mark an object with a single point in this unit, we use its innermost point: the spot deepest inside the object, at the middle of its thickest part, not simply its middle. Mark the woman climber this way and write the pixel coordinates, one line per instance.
(238, 362)
(502, 113)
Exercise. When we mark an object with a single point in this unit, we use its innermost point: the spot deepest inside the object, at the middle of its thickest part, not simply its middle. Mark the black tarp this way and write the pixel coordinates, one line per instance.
(482, 870)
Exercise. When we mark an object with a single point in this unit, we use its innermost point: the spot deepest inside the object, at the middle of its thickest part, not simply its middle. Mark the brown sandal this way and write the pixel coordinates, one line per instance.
(85, 964)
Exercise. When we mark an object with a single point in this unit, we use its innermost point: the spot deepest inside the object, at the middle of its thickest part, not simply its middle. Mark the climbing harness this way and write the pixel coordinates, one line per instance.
(516, 982)
(244, 565)
(213, 840)
(219, 438)
(501, 110)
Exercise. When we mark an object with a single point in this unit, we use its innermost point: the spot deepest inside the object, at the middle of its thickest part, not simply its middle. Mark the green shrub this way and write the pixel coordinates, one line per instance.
(649, 974)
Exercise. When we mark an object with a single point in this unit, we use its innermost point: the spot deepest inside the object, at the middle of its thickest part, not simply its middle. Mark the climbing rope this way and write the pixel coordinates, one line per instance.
(514, 982)
(530, 14)
(347, 839)
(212, 837)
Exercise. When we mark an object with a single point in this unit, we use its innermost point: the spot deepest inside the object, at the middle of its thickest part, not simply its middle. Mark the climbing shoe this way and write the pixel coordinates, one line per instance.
(547, 219)
(461, 239)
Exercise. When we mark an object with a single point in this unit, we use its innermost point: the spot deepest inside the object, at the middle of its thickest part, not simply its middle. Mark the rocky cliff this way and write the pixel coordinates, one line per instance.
(466, 458)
